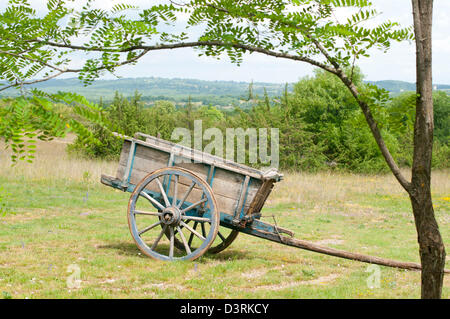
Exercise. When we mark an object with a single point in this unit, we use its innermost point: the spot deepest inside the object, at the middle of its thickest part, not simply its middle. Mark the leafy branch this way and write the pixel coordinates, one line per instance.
(300, 30)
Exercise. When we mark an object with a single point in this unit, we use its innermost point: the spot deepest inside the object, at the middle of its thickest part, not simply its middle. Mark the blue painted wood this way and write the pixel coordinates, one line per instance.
(169, 164)
(241, 200)
(212, 176)
(242, 214)
(130, 162)
(255, 227)
(213, 216)
(130, 188)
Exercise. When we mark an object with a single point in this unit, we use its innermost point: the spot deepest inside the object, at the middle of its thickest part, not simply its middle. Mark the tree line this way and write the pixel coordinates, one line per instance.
(320, 125)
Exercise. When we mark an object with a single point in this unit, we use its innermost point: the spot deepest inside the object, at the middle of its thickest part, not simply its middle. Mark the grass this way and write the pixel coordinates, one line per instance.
(60, 224)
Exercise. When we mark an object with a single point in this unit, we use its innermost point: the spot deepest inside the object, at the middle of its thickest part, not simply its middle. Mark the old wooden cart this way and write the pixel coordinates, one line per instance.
(198, 201)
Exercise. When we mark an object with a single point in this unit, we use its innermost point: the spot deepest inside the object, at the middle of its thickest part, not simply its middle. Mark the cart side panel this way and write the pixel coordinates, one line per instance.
(145, 159)
(123, 159)
(230, 185)
(227, 185)
(224, 183)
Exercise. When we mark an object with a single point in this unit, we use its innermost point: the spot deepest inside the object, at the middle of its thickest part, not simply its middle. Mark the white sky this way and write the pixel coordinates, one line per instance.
(397, 64)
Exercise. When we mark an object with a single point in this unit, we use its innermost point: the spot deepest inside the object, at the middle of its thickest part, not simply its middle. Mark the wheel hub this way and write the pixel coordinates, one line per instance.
(171, 216)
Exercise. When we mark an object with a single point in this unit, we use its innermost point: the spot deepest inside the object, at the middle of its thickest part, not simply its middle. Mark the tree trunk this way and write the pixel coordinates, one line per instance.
(431, 246)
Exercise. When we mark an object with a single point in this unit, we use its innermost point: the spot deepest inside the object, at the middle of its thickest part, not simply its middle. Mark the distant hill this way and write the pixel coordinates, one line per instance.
(401, 86)
(223, 94)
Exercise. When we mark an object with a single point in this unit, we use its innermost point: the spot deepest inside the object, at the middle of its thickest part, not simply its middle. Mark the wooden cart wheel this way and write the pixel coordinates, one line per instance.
(223, 241)
(162, 189)
(225, 237)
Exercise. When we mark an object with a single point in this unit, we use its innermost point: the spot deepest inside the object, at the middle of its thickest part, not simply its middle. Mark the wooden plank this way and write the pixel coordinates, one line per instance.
(225, 204)
(156, 143)
(226, 183)
(225, 201)
(123, 158)
(129, 165)
(147, 153)
(242, 197)
(260, 197)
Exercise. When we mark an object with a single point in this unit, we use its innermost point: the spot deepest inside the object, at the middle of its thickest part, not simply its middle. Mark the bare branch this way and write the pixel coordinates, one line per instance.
(376, 133)
(62, 71)
(215, 43)
(32, 82)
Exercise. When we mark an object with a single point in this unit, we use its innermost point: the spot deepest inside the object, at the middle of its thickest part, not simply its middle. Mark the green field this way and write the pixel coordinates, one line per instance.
(58, 220)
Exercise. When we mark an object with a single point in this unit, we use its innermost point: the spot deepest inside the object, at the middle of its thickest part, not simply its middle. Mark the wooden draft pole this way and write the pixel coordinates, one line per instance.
(307, 245)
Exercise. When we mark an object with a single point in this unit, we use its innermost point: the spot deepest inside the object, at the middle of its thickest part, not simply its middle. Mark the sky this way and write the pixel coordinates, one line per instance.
(397, 64)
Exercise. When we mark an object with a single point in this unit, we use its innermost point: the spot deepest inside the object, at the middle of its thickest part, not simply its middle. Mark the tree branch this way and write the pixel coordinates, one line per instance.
(214, 43)
(337, 70)
(62, 71)
(376, 133)
(32, 82)
(332, 66)
(32, 60)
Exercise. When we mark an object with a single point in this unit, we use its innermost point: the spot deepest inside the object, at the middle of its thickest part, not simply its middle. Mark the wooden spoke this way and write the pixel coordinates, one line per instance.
(151, 199)
(139, 212)
(186, 195)
(159, 238)
(192, 230)
(221, 236)
(186, 246)
(203, 229)
(194, 205)
(187, 222)
(172, 236)
(191, 236)
(149, 227)
(175, 191)
(198, 219)
(163, 193)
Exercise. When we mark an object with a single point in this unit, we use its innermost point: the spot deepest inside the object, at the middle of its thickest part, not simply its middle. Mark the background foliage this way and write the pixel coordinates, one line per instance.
(321, 126)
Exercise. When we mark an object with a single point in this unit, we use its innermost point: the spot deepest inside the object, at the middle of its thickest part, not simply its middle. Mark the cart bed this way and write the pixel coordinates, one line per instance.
(239, 190)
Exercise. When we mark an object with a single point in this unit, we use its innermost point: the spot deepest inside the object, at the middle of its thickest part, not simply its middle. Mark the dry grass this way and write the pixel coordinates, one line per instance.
(53, 163)
(55, 226)
(328, 187)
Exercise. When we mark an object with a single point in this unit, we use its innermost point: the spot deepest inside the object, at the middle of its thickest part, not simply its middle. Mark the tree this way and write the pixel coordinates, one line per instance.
(432, 250)
(300, 30)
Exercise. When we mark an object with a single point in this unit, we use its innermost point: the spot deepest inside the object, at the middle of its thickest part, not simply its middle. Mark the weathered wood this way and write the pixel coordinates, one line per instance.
(225, 204)
(199, 156)
(226, 184)
(307, 245)
(260, 197)
(147, 160)
(242, 198)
